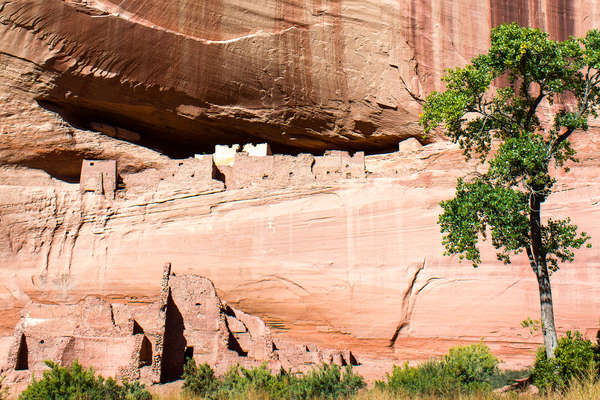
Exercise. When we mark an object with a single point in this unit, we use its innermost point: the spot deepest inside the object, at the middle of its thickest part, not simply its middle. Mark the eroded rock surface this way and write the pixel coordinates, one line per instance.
(347, 262)
(354, 263)
(183, 76)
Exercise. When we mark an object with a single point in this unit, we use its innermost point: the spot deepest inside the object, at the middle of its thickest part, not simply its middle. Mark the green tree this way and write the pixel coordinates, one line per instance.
(492, 108)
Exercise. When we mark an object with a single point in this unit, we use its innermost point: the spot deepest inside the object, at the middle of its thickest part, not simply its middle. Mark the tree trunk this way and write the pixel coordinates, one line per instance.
(547, 311)
(543, 277)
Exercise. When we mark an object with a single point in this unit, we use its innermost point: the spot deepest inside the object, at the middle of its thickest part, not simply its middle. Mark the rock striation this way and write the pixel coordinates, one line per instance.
(344, 263)
(351, 258)
(182, 77)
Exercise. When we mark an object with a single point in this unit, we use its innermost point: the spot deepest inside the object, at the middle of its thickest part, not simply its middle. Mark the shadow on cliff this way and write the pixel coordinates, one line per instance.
(174, 345)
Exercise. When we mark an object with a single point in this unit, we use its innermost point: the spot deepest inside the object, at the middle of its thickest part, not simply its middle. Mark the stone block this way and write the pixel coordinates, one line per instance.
(225, 155)
(261, 149)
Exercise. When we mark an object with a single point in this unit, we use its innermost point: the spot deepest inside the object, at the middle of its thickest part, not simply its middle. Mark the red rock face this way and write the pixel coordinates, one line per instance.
(352, 262)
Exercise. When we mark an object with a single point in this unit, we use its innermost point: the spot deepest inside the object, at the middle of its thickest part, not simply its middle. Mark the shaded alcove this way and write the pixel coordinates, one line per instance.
(137, 329)
(234, 345)
(175, 344)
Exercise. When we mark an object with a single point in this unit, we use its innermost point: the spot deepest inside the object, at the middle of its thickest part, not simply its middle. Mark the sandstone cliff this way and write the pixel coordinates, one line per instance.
(356, 262)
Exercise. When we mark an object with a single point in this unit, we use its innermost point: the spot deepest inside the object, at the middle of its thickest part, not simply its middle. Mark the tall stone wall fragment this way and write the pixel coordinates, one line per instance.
(162, 318)
(99, 176)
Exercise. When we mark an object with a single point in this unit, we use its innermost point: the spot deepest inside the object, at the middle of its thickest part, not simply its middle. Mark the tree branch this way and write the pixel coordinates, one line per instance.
(533, 107)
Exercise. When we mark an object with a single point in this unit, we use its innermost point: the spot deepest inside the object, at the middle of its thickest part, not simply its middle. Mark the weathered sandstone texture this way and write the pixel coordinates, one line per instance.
(183, 76)
(349, 263)
(151, 341)
(349, 259)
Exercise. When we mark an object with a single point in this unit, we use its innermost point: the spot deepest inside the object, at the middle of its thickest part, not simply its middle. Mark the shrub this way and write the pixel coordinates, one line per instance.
(328, 381)
(198, 380)
(472, 366)
(508, 377)
(463, 369)
(429, 378)
(574, 359)
(77, 383)
(3, 389)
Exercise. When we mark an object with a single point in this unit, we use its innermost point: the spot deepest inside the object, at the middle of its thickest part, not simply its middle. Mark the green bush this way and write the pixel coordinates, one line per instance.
(472, 366)
(328, 381)
(428, 378)
(463, 369)
(3, 389)
(508, 377)
(78, 383)
(574, 359)
(198, 380)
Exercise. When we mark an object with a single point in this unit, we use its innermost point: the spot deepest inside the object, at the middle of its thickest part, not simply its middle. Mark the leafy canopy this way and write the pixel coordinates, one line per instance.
(501, 125)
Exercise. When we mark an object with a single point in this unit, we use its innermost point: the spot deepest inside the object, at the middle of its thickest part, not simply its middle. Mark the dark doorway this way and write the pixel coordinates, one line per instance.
(22, 354)
(189, 353)
(145, 353)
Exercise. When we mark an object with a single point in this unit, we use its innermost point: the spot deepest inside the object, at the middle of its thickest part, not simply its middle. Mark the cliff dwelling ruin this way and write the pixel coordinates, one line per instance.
(151, 340)
(235, 166)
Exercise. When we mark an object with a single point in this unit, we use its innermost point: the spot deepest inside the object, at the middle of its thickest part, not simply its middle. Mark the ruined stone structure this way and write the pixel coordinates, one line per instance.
(231, 169)
(261, 149)
(357, 262)
(152, 340)
(281, 170)
(99, 176)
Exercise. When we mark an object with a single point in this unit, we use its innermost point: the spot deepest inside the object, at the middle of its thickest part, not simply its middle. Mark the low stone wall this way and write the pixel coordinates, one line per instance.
(282, 170)
(228, 168)
(192, 174)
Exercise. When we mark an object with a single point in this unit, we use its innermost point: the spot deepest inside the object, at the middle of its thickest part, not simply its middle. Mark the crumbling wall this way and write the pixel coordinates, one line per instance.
(229, 168)
(225, 155)
(196, 174)
(151, 341)
(337, 164)
(282, 170)
(261, 149)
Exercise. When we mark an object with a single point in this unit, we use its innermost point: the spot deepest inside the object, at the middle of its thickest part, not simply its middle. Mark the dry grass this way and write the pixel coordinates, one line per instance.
(587, 390)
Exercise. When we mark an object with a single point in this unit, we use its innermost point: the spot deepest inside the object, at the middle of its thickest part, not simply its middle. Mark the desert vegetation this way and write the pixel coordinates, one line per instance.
(465, 372)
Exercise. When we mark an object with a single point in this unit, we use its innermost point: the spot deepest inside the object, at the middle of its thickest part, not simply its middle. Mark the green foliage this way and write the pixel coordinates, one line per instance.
(464, 369)
(534, 325)
(78, 383)
(471, 365)
(575, 358)
(507, 377)
(199, 380)
(328, 381)
(476, 116)
(3, 389)
(429, 378)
